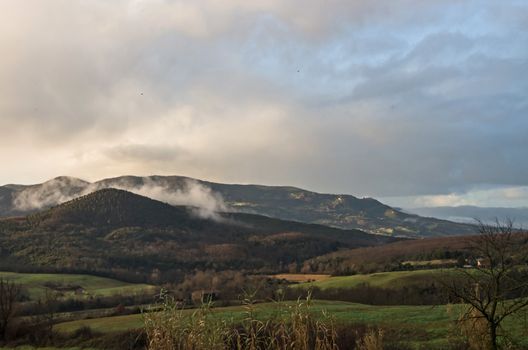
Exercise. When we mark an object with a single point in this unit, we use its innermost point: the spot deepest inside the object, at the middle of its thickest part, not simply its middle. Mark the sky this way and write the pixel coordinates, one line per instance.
(418, 103)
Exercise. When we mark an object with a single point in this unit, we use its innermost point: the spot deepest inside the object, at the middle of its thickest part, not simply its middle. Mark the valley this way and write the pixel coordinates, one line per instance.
(263, 175)
(100, 270)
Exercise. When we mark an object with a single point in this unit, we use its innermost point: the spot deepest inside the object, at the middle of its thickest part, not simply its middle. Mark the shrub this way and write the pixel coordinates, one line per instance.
(372, 340)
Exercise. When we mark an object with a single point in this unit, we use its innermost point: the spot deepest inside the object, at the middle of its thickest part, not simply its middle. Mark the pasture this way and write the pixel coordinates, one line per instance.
(395, 279)
(300, 277)
(414, 326)
(341, 311)
(74, 285)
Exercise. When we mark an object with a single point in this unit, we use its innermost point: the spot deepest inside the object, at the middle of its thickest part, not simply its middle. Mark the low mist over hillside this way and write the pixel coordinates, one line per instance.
(208, 199)
(115, 230)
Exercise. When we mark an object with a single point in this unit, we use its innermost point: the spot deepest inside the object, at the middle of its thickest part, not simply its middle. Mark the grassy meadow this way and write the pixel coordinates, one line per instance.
(411, 326)
(300, 277)
(394, 279)
(36, 284)
(416, 326)
(342, 311)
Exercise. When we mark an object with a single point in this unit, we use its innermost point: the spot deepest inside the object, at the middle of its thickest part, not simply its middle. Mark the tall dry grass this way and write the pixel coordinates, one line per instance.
(371, 340)
(290, 327)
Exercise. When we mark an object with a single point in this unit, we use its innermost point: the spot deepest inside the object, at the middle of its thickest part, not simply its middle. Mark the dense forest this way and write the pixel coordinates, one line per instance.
(118, 233)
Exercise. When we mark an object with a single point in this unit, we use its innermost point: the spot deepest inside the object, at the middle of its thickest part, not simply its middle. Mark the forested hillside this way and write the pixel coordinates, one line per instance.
(283, 202)
(115, 231)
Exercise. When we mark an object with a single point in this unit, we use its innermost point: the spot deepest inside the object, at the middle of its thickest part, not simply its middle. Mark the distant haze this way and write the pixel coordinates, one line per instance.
(419, 103)
(470, 214)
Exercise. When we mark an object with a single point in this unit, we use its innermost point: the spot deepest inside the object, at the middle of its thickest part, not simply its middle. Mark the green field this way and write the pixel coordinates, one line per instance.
(395, 279)
(35, 284)
(418, 326)
(342, 311)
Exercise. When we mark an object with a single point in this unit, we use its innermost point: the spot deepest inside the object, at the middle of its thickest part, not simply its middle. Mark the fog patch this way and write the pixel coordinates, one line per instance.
(202, 200)
(50, 193)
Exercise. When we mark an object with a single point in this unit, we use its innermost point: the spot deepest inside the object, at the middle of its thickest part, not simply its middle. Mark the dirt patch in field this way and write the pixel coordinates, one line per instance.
(300, 277)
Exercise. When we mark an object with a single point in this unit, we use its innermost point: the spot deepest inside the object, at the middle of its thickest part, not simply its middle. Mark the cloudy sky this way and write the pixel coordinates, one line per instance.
(415, 102)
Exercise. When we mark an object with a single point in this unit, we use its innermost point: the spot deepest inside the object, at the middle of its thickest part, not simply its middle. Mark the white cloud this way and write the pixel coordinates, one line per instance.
(203, 201)
(507, 197)
(381, 99)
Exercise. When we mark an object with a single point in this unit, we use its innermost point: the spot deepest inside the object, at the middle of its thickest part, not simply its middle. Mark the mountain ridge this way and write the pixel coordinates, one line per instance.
(113, 229)
(283, 202)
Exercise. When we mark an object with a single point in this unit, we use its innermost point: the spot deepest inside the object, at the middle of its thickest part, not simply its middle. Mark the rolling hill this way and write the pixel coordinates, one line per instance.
(36, 284)
(282, 202)
(393, 279)
(433, 252)
(112, 229)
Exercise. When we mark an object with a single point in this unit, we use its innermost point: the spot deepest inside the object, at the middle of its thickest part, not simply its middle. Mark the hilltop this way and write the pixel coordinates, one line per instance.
(112, 208)
(282, 202)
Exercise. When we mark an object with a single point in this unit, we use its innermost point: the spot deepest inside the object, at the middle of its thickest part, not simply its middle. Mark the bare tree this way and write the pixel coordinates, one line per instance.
(9, 294)
(497, 286)
(47, 312)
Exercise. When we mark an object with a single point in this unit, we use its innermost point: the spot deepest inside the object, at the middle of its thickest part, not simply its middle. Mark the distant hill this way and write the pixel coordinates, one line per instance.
(288, 203)
(116, 230)
(468, 214)
(389, 256)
